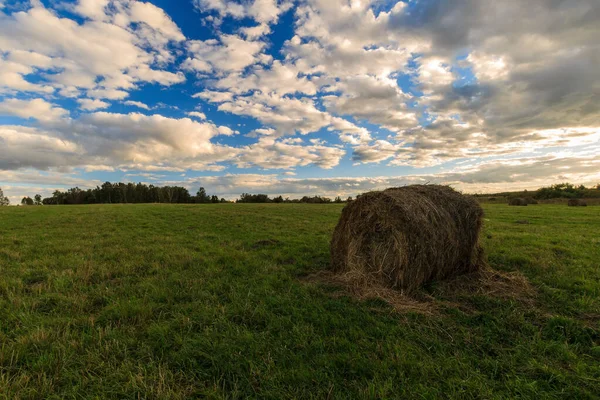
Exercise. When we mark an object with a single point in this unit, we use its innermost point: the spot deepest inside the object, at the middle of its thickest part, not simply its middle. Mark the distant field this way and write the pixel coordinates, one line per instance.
(208, 301)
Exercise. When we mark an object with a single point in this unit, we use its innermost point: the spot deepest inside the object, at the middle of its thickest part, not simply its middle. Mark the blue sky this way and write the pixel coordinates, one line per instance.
(330, 97)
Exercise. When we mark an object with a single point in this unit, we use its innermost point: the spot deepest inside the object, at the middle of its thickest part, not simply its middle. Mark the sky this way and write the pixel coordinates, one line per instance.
(298, 97)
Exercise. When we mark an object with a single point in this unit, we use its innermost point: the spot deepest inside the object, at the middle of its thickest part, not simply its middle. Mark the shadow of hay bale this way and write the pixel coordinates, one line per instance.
(452, 293)
(402, 238)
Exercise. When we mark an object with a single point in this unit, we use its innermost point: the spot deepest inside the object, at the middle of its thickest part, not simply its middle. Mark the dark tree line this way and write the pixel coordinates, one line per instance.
(566, 191)
(263, 198)
(129, 193)
(141, 193)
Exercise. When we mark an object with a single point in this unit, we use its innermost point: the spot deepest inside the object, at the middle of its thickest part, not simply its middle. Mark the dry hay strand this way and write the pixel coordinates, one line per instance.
(453, 293)
(576, 203)
(517, 201)
(490, 283)
(402, 238)
(362, 290)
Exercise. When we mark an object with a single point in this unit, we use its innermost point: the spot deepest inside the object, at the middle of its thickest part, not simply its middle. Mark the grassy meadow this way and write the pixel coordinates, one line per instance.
(211, 301)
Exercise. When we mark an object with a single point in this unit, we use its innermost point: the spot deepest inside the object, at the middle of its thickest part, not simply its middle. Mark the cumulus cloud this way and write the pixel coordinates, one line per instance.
(92, 104)
(150, 142)
(38, 109)
(137, 104)
(413, 84)
(270, 153)
(214, 97)
(532, 63)
(229, 53)
(117, 47)
(519, 174)
(24, 147)
(197, 114)
(138, 138)
(288, 115)
(263, 11)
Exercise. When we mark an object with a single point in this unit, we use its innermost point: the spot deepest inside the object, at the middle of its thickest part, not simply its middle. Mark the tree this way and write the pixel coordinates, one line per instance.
(3, 200)
(214, 199)
(38, 199)
(202, 197)
(338, 199)
(561, 190)
(253, 198)
(27, 201)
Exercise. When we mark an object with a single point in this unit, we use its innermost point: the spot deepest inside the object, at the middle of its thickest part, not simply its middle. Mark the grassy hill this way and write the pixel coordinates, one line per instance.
(212, 301)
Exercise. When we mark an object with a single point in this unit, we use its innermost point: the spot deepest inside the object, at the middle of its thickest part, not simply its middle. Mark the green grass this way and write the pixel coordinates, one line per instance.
(206, 301)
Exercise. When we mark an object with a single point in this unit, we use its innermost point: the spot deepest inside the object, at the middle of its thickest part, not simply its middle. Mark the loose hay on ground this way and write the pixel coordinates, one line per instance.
(402, 238)
(453, 293)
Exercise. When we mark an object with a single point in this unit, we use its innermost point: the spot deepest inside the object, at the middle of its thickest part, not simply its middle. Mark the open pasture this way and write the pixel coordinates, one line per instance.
(211, 301)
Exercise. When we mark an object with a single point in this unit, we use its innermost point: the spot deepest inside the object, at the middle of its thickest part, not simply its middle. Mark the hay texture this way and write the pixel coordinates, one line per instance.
(517, 202)
(405, 237)
(577, 203)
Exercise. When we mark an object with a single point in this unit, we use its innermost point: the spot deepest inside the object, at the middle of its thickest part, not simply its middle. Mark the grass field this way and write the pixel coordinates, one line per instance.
(208, 301)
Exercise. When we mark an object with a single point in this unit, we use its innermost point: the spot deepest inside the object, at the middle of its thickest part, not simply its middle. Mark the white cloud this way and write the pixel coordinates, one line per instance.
(37, 109)
(418, 85)
(229, 53)
(25, 147)
(279, 78)
(196, 65)
(263, 11)
(156, 18)
(270, 153)
(137, 104)
(154, 139)
(214, 97)
(90, 105)
(119, 46)
(197, 114)
(255, 32)
(12, 79)
(94, 9)
(518, 174)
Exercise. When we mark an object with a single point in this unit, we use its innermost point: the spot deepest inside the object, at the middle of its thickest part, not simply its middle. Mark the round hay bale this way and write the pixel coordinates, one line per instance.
(530, 200)
(405, 237)
(517, 201)
(576, 203)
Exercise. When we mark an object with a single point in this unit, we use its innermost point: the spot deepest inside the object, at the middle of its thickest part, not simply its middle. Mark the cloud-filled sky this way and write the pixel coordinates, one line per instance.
(294, 97)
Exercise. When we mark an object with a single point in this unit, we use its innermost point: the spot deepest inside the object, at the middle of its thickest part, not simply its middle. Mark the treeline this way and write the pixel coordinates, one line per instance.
(114, 193)
(567, 191)
(263, 198)
(558, 191)
(110, 193)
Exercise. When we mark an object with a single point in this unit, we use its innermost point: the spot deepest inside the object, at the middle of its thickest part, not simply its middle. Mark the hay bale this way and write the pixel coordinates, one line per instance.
(405, 237)
(530, 200)
(517, 201)
(576, 203)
